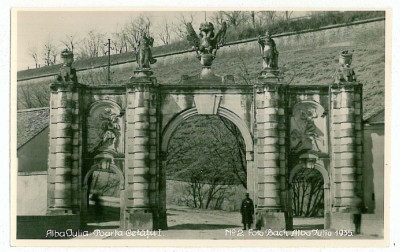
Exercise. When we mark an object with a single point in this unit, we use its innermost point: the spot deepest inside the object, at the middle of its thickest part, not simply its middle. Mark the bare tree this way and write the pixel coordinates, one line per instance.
(165, 33)
(308, 193)
(253, 19)
(70, 41)
(105, 182)
(218, 17)
(237, 153)
(220, 165)
(93, 45)
(24, 98)
(288, 14)
(235, 18)
(33, 52)
(207, 183)
(179, 27)
(119, 42)
(49, 52)
(33, 96)
(266, 17)
(135, 28)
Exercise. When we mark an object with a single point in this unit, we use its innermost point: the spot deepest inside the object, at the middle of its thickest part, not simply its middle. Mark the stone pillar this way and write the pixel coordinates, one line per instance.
(270, 157)
(141, 152)
(346, 118)
(64, 150)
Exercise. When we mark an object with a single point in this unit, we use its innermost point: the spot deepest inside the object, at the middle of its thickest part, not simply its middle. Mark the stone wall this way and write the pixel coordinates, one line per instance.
(32, 156)
(374, 169)
(32, 193)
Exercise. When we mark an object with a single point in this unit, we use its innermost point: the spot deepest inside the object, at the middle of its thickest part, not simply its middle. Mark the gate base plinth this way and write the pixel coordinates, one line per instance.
(270, 74)
(266, 219)
(162, 220)
(53, 226)
(142, 219)
(341, 221)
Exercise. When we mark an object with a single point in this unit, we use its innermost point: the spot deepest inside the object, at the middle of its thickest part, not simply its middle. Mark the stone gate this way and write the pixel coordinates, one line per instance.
(126, 129)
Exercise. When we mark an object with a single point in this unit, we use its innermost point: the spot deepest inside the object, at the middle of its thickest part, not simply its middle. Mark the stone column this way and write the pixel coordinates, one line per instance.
(64, 150)
(346, 140)
(270, 158)
(60, 169)
(76, 158)
(141, 151)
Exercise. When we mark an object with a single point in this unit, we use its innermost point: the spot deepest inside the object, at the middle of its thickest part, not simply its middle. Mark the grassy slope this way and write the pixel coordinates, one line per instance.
(313, 64)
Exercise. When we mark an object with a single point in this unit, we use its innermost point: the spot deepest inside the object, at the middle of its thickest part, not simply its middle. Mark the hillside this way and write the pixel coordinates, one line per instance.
(306, 59)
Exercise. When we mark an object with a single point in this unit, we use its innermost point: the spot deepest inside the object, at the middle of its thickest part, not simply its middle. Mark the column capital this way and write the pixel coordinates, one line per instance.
(345, 86)
(267, 86)
(141, 84)
(63, 86)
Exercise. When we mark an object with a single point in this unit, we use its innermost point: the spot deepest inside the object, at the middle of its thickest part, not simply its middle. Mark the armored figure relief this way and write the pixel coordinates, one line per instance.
(207, 42)
(109, 131)
(305, 135)
(144, 56)
(345, 73)
(268, 51)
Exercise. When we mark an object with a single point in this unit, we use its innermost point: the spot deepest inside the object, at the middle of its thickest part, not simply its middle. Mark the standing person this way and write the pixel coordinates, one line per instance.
(247, 211)
(358, 208)
(98, 208)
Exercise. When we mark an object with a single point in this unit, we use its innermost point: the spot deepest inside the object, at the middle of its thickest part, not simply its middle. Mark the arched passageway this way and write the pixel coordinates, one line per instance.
(102, 196)
(309, 201)
(205, 170)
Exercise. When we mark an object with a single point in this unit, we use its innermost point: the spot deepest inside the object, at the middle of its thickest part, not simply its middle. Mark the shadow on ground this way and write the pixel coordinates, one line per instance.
(201, 226)
(108, 220)
(108, 214)
(308, 227)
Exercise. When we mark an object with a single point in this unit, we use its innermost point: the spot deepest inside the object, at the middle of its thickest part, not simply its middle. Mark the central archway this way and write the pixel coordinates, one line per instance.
(167, 134)
(173, 124)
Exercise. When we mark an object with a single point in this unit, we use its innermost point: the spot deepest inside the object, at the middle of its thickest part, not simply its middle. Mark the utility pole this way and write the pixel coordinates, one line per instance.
(109, 61)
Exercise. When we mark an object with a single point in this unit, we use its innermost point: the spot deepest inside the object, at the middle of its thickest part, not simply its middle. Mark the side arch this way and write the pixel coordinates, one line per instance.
(101, 103)
(235, 119)
(327, 193)
(318, 167)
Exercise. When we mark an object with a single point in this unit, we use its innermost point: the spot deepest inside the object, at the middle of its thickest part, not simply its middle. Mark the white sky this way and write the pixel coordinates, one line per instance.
(36, 27)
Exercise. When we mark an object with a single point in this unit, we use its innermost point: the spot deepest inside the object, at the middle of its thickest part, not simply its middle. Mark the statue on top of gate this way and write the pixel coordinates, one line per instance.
(345, 73)
(67, 74)
(270, 58)
(206, 44)
(144, 57)
(268, 51)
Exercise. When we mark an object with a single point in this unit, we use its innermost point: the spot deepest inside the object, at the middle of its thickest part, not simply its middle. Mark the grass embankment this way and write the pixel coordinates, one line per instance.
(313, 63)
(308, 59)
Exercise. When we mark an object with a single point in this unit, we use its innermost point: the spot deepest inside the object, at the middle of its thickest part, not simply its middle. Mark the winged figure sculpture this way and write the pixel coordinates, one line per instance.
(206, 42)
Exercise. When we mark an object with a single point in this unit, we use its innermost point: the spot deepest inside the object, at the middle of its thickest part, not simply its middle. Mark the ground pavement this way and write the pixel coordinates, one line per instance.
(188, 223)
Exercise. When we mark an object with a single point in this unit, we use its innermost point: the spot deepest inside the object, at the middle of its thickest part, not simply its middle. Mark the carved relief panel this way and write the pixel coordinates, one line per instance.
(308, 128)
(105, 128)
